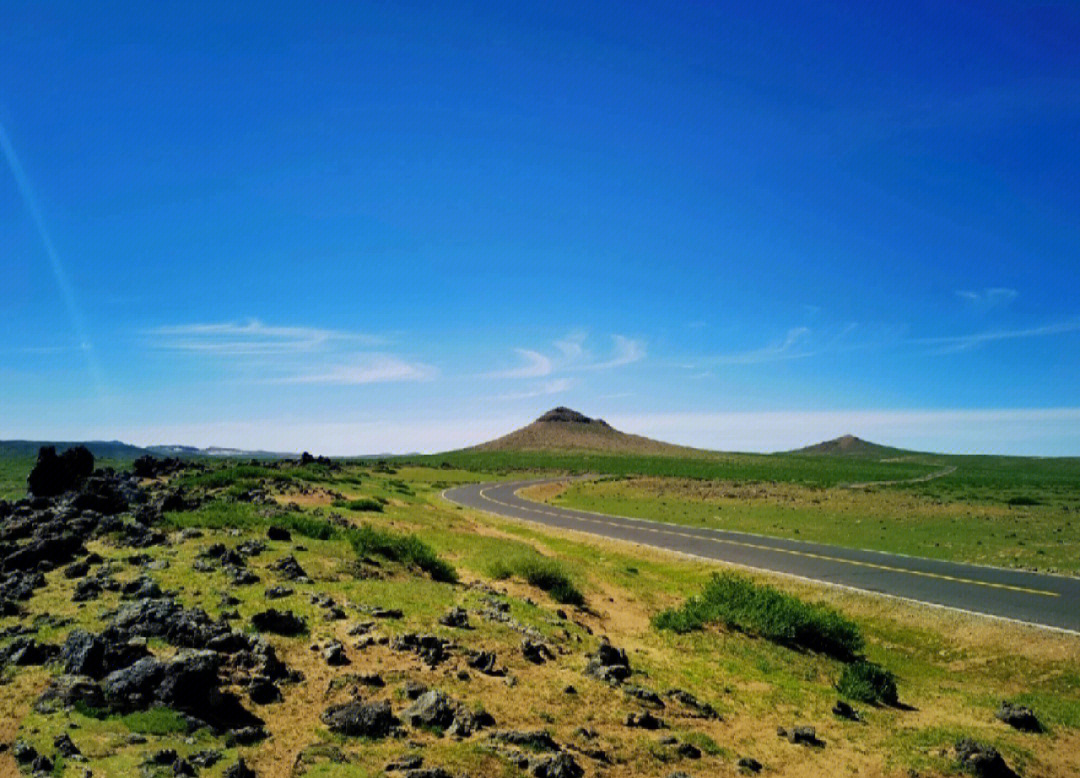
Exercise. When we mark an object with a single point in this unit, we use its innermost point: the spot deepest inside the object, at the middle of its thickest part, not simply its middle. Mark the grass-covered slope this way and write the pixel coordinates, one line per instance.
(391, 627)
(851, 446)
(565, 430)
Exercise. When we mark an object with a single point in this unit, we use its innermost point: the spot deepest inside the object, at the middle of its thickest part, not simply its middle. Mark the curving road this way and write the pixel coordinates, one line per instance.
(1034, 598)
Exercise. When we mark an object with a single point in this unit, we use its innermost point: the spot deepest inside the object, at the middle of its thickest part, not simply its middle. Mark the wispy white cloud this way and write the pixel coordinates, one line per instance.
(956, 343)
(545, 389)
(253, 337)
(571, 355)
(536, 366)
(986, 299)
(627, 351)
(572, 347)
(370, 369)
(793, 346)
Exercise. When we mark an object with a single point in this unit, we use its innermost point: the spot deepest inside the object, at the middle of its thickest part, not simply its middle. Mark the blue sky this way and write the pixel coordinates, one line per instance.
(399, 226)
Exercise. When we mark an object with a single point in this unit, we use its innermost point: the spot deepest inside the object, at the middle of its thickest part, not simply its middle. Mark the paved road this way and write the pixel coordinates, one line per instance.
(1046, 600)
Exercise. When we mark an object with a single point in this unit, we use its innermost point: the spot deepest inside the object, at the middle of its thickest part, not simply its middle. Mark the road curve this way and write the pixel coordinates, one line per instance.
(1034, 598)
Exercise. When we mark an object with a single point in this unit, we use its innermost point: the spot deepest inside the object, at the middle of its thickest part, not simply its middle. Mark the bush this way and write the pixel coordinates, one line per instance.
(1023, 500)
(541, 572)
(407, 549)
(362, 504)
(760, 610)
(868, 682)
(156, 721)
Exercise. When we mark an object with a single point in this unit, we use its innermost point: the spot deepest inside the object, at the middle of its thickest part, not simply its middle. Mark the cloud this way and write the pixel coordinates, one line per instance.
(373, 369)
(253, 338)
(788, 348)
(986, 299)
(958, 343)
(572, 347)
(627, 351)
(548, 388)
(571, 356)
(536, 366)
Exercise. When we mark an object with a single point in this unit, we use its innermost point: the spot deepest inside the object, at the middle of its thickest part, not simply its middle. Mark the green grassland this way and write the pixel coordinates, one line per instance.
(951, 669)
(792, 468)
(901, 519)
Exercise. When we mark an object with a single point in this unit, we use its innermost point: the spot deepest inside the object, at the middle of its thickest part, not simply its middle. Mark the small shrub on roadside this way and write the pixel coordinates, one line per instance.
(760, 610)
(541, 572)
(868, 682)
(407, 549)
(365, 504)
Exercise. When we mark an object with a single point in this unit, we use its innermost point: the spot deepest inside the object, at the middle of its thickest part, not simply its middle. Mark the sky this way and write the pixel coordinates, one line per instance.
(403, 226)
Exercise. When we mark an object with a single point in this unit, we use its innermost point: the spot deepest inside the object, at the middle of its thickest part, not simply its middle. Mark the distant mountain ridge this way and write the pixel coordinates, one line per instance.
(117, 449)
(101, 449)
(850, 446)
(564, 429)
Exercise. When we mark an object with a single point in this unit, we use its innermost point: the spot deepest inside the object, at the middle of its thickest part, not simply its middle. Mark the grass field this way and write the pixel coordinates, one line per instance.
(808, 470)
(951, 670)
(901, 520)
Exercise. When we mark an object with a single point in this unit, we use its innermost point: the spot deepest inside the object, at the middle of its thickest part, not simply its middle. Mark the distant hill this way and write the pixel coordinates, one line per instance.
(851, 446)
(101, 449)
(217, 451)
(563, 429)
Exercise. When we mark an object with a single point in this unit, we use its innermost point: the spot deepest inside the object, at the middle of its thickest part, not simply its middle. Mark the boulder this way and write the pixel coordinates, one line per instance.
(800, 734)
(691, 703)
(535, 651)
(981, 760)
(53, 475)
(844, 711)
(609, 664)
(25, 651)
(64, 691)
(279, 622)
(431, 709)
(1019, 717)
(101, 495)
(238, 769)
(289, 569)
(560, 765)
(358, 719)
(533, 740)
(334, 654)
(644, 720)
(643, 695)
(455, 617)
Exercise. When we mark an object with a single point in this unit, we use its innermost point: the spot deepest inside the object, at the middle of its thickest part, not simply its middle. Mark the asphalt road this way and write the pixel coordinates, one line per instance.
(1045, 600)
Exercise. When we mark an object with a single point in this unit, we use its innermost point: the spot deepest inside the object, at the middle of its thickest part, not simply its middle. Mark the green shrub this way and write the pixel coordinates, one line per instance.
(362, 504)
(541, 572)
(156, 721)
(1023, 500)
(407, 549)
(868, 682)
(741, 604)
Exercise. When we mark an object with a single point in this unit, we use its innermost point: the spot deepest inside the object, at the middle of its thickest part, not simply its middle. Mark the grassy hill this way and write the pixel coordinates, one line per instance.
(851, 446)
(563, 429)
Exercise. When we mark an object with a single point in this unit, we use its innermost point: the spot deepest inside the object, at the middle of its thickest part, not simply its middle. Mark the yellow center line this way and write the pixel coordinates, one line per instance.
(793, 552)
